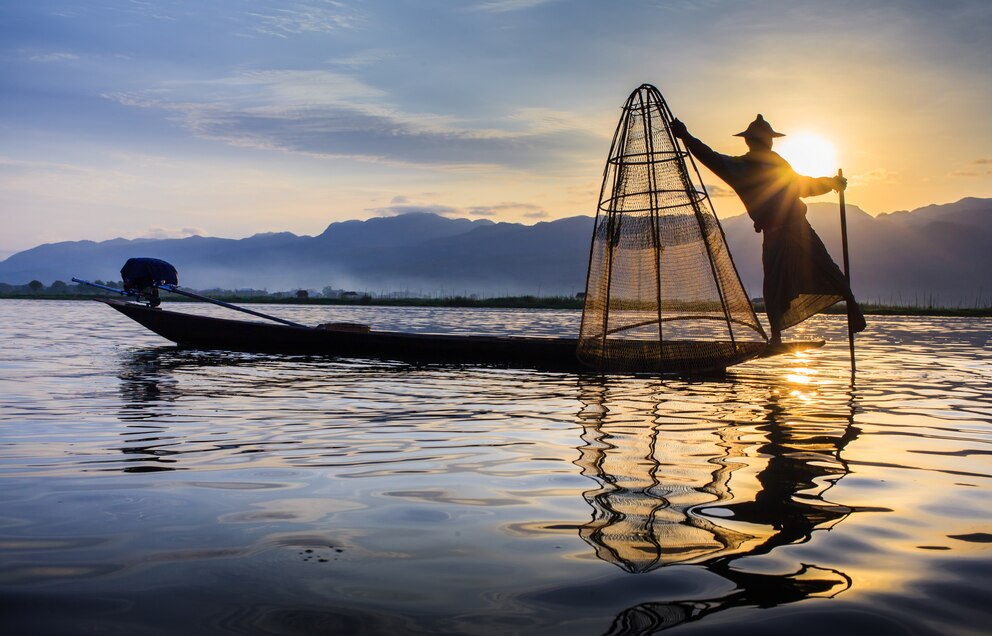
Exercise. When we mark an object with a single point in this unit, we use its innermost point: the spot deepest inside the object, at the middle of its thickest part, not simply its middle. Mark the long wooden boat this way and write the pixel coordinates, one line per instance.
(549, 353)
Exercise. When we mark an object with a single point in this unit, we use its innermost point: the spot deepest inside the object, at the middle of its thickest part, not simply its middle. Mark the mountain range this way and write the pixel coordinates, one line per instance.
(938, 254)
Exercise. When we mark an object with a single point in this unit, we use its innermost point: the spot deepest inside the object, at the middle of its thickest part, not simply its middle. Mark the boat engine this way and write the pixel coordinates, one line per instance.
(141, 275)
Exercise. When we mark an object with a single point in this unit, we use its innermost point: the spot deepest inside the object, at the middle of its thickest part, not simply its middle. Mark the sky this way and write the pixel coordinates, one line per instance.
(130, 118)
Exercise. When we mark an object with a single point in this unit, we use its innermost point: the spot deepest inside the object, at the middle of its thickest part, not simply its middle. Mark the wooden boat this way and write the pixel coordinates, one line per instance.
(548, 353)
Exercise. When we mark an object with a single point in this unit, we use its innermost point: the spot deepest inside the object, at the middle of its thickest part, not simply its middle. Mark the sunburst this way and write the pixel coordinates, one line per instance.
(809, 154)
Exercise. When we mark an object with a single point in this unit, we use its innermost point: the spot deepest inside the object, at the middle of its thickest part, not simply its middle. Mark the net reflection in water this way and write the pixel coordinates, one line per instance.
(669, 495)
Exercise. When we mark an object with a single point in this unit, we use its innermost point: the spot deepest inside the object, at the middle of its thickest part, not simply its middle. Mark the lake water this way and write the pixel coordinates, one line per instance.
(146, 489)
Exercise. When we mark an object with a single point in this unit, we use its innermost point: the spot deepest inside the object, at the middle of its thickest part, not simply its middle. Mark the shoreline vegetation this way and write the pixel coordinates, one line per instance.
(62, 291)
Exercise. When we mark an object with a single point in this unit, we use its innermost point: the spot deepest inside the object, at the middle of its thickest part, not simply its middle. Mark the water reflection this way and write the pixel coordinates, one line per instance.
(144, 384)
(703, 475)
(456, 499)
(674, 490)
(153, 380)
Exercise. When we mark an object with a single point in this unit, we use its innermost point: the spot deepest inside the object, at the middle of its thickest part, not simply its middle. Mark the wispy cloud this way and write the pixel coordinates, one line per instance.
(61, 181)
(977, 168)
(361, 59)
(405, 205)
(397, 210)
(13, 164)
(54, 57)
(169, 233)
(328, 114)
(296, 18)
(876, 176)
(549, 120)
(718, 191)
(504, 6)
(501, 209)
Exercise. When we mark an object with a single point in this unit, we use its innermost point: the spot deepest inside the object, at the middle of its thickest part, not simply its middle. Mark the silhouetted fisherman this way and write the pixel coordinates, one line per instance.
(800, 277)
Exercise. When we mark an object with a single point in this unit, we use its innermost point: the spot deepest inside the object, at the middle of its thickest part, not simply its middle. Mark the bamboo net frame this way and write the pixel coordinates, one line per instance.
(662, 292)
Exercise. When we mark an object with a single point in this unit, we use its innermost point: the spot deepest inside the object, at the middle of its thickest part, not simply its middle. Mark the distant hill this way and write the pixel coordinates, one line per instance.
(938, 252)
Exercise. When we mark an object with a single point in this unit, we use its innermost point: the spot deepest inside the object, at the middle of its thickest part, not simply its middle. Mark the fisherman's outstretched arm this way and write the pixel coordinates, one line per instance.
(719, 164)
(815, 186)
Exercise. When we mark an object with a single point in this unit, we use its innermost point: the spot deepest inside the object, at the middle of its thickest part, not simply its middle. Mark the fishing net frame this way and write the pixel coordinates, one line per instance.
(662, 292)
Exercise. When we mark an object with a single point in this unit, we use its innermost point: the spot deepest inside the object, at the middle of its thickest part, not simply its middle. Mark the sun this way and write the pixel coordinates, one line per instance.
(809, 154)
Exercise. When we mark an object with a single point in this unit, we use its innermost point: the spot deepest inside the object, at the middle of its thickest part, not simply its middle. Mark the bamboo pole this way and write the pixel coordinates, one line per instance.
(176, 290)
(847, 272)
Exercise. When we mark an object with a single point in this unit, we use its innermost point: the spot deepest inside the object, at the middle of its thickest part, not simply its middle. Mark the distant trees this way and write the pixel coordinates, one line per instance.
(57, 288)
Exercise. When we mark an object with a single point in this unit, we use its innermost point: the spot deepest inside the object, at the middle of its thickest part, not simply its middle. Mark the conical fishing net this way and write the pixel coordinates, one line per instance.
(662, 292)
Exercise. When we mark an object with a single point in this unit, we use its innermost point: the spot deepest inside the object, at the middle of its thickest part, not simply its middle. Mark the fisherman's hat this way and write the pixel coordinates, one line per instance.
(760, 129)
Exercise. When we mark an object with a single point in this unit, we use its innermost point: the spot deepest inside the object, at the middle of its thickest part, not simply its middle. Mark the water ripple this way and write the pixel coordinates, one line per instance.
(268, 493)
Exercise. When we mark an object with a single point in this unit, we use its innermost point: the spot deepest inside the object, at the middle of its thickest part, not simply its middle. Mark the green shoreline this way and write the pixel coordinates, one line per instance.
(509, 302)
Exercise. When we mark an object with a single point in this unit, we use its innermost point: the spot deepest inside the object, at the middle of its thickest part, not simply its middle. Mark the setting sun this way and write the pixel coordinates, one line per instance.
(809, 154)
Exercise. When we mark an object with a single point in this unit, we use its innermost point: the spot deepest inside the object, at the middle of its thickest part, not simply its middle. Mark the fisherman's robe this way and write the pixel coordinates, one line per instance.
(800, 277)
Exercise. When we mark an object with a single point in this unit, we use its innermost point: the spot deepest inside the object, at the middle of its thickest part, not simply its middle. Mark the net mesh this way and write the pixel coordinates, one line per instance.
(662, 292)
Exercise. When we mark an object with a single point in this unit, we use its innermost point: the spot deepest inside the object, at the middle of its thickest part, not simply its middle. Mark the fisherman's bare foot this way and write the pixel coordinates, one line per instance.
(776, 339)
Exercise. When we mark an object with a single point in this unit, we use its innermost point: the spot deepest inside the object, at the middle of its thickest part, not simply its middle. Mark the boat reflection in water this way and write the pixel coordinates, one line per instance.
(677, 486)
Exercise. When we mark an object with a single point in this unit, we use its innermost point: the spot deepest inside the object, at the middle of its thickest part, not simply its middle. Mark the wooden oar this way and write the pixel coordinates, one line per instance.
(847, 270)
(183, 292)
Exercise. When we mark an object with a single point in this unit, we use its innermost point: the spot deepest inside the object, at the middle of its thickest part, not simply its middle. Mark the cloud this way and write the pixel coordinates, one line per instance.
(54, 57)
(977, 168)
(876, 176)
(549, 120)
(504, 6)
(523, 209)
(719, 191)
(328, 114)
(297, 18)
(19, 165)
(364, 58)
(170, 233)
(397, 210)
(482, 211)
(403, 205)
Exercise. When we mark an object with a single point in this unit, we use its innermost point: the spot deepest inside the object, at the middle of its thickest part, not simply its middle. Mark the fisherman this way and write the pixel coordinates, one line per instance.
(800, 277)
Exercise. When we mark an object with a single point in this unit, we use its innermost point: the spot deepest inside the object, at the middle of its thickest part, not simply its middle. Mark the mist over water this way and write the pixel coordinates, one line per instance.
(154, 490)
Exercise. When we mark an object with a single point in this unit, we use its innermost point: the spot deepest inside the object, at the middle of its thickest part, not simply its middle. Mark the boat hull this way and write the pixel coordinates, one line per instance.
(204, 332)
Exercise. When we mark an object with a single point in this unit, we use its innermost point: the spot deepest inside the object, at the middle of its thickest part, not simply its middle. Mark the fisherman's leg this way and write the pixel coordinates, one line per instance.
(855, 315)
(776, 328)
(773, 308)
(775, 312)
(772, 284)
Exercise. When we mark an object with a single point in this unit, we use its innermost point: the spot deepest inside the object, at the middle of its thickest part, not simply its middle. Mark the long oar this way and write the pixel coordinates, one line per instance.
(104, 287)
(183, 292)
(847, 271)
